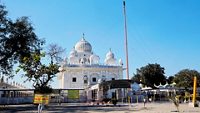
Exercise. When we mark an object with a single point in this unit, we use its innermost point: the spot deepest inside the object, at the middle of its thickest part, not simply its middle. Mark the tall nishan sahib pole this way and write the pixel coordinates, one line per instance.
(126, 41)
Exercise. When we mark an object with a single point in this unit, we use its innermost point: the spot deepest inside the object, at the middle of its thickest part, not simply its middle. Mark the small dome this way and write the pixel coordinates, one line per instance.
(73, 60)
(94, 59)
(110, 55)
(83, 46)
(73, 53)
(110, 58)
(120, 62)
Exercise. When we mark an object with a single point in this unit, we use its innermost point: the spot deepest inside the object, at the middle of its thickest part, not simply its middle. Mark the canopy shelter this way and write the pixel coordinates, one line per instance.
(123, 83)
(117, 89)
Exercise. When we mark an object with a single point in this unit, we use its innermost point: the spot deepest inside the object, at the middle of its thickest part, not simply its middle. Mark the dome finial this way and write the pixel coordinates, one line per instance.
(83, 38)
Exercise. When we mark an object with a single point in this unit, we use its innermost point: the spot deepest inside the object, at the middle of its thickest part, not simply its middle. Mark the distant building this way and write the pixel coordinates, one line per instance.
(5, 84)
(12, 92)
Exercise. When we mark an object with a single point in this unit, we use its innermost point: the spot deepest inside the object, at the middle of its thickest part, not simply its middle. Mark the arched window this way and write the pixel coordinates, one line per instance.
(85, 79)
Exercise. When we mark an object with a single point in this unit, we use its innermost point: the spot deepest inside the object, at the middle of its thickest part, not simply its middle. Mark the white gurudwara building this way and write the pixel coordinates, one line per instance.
(82, 68)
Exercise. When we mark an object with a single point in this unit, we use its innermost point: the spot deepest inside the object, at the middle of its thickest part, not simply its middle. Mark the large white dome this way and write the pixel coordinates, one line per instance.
(83, 46)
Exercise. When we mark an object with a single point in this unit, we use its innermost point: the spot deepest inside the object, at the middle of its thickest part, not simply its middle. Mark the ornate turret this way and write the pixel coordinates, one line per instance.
(110, 58)
(94, 59)
(73, 59)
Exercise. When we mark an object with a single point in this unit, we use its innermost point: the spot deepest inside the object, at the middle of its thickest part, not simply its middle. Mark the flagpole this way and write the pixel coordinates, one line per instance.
(126, 41)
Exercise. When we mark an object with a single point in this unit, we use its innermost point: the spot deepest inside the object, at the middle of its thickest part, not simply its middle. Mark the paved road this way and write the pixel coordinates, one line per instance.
(84, 108)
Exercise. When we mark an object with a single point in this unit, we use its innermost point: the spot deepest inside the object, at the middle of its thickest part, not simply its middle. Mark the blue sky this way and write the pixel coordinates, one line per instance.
(166, 32)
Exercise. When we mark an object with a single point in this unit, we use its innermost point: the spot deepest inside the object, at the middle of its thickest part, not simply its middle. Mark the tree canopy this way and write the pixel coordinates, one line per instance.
(20, 45)
(150, 74)
(41, 73)
(185, 77)
(17, 40)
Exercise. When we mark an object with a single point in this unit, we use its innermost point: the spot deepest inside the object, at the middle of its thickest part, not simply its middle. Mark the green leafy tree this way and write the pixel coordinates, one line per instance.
(42, 73)
(20, 45)
(185, 77)
(17, 40)
(150, 74)
(170, 79)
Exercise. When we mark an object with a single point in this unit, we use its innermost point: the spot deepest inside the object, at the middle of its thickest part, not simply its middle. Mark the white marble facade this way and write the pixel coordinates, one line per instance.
(82, 68)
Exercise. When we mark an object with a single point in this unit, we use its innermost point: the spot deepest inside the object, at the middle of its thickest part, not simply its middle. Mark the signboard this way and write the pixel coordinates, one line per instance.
(73, 94)
(41, 99)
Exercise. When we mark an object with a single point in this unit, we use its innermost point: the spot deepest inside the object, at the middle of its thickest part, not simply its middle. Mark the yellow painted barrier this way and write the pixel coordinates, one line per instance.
(41, 99)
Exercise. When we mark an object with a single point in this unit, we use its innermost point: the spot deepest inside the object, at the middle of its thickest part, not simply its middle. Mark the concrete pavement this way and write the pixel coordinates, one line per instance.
(164, 107)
